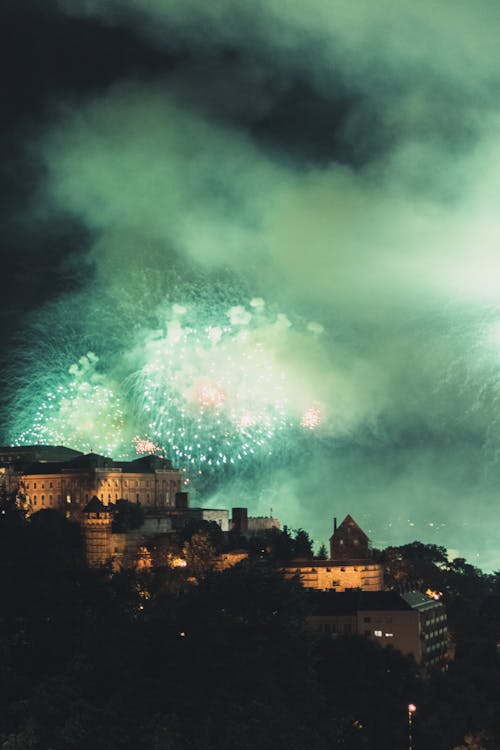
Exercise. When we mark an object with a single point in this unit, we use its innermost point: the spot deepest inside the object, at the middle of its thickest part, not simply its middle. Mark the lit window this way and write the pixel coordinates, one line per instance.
(378, 633)
(389, 635)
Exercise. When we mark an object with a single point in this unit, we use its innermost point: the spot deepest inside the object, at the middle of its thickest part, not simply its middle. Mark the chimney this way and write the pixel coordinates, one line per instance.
(334, 524)
(181, 500)
(240, 520)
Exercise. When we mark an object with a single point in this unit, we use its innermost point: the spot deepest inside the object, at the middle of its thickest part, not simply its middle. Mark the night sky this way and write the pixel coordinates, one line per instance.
(327, 171)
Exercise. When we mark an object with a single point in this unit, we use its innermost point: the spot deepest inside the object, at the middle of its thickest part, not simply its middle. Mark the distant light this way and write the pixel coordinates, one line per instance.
(411, 708)
(436, 595)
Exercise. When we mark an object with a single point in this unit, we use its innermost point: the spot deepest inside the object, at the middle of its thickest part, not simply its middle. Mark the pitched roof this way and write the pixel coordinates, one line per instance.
(349, 523)
(96, 506)
(92, 461)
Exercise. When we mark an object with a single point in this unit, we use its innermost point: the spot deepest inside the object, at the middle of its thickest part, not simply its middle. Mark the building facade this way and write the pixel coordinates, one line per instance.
(412, 623)
(69, 485)
(245, 525)
(350, 566)
(328, 574)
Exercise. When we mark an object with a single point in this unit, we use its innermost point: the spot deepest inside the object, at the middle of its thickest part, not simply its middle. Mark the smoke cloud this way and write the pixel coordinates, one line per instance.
(374, 246)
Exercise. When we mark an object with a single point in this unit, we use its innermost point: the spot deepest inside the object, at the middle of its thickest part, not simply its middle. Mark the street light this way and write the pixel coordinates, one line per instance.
(411, 710)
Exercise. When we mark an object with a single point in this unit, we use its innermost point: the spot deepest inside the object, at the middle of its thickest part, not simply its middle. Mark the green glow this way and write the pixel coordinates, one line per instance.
(210, 392)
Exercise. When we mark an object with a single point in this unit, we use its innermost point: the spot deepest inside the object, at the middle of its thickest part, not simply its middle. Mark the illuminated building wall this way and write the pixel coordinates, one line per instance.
(327, 574)
(412, 623)
(70, 485)
(350, 566)
(97, 520)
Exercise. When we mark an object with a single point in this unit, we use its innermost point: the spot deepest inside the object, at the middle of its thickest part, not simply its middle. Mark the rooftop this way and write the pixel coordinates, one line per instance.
(93, 461)
(351, 602)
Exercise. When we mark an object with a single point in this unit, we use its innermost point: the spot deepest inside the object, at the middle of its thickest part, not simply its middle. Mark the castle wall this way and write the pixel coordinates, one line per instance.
(97, 533)
(326, 575)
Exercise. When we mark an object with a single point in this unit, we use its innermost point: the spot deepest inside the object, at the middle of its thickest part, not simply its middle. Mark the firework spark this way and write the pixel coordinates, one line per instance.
(211, 390)
(83, 412)
(311, 418)
(144, 446)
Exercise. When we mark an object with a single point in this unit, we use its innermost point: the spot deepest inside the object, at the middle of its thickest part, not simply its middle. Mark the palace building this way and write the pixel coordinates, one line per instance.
(69, 483)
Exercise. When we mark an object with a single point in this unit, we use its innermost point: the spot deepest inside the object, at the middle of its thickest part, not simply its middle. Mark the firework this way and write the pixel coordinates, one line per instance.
(214, 392)
(82, 412)
(144, 446)
(211, 389)
(311, 418)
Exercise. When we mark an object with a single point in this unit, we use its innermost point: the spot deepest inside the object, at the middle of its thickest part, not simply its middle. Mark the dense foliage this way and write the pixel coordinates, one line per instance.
(95, 660)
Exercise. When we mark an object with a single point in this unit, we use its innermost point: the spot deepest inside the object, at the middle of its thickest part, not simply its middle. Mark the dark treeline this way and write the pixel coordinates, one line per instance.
(94, 660)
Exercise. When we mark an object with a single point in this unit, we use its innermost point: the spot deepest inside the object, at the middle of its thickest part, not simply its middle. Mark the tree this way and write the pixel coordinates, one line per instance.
(200, 555)
(302, 545)
(473, 742)
(127, 516)
(322, 553)
(280, 544)
(417, 565)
